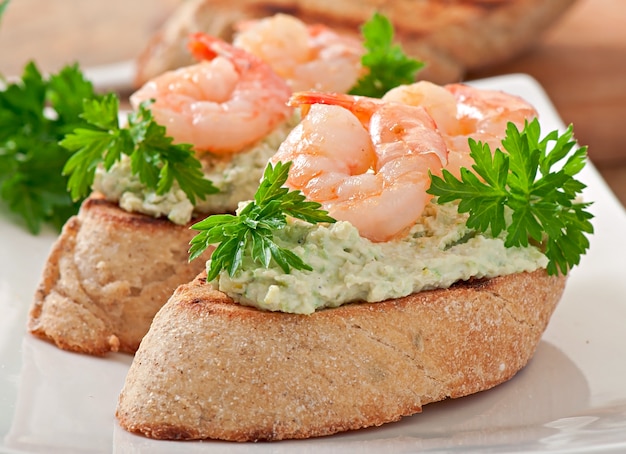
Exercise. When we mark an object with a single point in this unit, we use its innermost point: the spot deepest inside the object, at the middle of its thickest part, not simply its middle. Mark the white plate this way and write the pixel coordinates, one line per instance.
(112, 77)
(570, 398)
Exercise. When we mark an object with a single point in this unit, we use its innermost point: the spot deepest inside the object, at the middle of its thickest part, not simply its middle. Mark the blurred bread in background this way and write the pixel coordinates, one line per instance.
(451, 36)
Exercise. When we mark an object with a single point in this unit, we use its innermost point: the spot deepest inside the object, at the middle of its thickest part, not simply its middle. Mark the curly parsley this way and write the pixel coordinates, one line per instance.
(154, 158)
(387, 64)
(544, 202)
(251, 232)
(35, 114)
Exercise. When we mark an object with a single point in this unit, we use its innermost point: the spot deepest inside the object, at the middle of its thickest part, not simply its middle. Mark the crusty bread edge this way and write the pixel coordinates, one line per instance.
(200, 326)
(71, 318)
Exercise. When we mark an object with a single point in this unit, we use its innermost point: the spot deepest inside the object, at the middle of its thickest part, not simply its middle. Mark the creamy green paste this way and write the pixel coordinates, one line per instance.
(237, 178)
(439, 251)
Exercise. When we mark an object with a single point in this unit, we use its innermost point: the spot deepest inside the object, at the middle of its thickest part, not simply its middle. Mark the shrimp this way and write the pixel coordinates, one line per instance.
(308, 57)
(366, 161)
(461, 112)
(228, 101)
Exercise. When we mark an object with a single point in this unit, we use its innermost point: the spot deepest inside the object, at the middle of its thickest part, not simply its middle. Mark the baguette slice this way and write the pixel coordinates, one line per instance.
(107, 275)
(452, 37)
(211, 368)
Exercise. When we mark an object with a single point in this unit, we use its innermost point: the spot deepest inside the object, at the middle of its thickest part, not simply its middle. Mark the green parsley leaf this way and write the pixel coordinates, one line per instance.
(3, 7)
(388, 66)
(251, 232)
(35, 113)
(542, 199)
(153, 157)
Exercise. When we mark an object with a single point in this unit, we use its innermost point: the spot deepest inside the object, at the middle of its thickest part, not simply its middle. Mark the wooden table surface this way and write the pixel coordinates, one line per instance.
(580, 61)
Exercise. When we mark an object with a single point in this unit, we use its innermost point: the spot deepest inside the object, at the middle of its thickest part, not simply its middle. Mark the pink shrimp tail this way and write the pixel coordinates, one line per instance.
(361, 106)
(206, 47)
(202, 46)
(305, 99)
(315, 97)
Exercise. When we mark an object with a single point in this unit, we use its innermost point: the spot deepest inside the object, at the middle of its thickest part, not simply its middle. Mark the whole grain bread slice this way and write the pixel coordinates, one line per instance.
(210, 368)
(107, 275)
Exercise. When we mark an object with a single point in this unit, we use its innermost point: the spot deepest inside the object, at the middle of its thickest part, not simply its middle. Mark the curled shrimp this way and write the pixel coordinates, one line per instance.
(366, 161)
(461, 111)
(226, 102)
(308, 57)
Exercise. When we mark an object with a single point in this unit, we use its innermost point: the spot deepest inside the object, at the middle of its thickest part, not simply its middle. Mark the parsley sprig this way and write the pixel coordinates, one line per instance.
(3, 7)
(543, 201)
(153, 157)
(35, 113)
(251, 232)
(387, 64)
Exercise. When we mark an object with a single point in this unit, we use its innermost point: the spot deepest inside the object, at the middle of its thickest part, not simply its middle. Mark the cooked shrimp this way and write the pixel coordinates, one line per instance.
(366, 161)
(228, 101)
(308, 57)
(461, 112)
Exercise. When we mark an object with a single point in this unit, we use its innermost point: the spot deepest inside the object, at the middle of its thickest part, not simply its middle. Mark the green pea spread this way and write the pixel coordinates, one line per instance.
(237, 178)
(437, 252)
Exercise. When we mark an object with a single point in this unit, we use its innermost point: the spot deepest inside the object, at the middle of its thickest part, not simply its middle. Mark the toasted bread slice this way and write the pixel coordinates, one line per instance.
(211, 368)
(107, 275)
(451, 37)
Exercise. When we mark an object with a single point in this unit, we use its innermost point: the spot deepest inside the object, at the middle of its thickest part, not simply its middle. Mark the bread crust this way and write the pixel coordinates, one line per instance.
(452, 37)
(211, 368)
(107, 275)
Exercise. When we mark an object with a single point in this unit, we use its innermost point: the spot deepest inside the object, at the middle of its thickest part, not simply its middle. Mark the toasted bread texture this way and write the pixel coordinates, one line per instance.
(451, 37)
(211, 368)
(107, 275)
